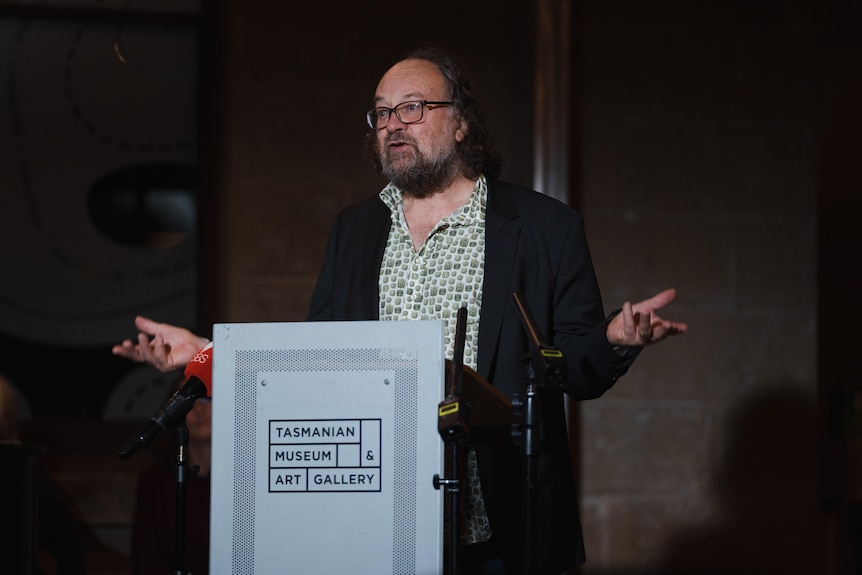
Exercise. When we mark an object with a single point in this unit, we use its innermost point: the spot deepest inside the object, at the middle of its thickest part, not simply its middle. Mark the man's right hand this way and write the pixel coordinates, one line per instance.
(163, 346)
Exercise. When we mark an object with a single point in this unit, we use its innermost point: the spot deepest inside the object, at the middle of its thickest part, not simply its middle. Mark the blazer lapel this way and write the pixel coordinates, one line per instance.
(502, 232)
(369, 286)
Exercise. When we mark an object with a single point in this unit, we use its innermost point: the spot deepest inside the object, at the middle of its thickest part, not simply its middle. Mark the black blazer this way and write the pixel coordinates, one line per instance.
(535, 246)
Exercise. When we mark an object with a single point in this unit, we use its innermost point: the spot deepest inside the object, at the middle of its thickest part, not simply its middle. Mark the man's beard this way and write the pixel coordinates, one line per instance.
(417, 175)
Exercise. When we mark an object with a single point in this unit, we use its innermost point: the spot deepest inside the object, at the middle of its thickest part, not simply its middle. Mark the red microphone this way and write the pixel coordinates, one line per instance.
(199, 384)
(201, 368)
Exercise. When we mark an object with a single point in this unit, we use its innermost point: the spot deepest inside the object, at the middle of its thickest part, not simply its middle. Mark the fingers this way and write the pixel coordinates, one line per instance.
(669, 328)
(645, 327)
(662, 329)
(126, 349)
(650, 327)
(160, 353)
(150, 348)
(657, 301)
(154, 352)
(628, 319)
(143, 350)
(146, 325)
(637, 325)
(640, 323)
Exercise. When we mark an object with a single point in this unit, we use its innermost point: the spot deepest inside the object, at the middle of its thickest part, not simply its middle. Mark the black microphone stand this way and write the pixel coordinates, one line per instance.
(173, 413)
(453, 429)
(183, 472)
(545, 371)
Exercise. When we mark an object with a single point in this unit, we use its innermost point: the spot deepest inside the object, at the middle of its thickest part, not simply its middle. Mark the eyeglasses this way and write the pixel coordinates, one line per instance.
(406, 112)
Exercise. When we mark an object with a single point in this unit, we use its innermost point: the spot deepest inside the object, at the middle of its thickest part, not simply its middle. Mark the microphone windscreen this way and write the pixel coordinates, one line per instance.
(201, 367)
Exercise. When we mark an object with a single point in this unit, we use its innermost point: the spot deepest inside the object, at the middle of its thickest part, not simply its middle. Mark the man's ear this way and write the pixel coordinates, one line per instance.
(461, 132)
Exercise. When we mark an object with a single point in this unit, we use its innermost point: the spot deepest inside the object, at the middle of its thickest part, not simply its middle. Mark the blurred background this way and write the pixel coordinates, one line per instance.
(184, 160)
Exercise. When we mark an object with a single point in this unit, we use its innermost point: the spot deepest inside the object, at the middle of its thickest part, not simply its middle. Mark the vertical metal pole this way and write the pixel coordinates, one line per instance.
(182, 434)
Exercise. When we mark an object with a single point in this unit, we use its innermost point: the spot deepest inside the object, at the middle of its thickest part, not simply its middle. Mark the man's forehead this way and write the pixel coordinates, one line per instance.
(416, 79)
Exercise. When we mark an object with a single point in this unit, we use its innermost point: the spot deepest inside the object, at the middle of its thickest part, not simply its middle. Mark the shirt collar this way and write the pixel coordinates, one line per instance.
(472, 211)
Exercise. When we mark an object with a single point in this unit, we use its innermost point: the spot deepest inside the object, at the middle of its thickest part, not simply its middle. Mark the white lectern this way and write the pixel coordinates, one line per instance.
(325, 445)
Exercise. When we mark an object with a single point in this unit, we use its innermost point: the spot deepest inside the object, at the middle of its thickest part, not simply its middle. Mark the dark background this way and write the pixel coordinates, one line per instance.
(712, 146)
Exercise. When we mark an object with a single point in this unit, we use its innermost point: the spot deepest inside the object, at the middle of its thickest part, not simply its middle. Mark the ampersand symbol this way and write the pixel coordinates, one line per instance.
(369, 456)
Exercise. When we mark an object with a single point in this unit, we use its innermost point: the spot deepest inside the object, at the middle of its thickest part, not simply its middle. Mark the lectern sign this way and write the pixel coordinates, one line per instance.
(324, 455)
(325, 446)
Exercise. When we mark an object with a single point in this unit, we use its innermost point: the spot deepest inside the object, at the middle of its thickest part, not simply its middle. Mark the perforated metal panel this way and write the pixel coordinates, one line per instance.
(331, 448)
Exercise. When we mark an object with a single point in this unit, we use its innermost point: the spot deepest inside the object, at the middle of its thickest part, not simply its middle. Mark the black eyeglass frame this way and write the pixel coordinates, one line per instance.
(372, 116)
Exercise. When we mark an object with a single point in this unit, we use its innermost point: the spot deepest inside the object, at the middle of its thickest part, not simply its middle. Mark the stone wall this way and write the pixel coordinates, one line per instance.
(701, 126)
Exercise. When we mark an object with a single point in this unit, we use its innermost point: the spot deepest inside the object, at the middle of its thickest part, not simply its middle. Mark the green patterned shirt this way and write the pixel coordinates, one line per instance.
(444, 275)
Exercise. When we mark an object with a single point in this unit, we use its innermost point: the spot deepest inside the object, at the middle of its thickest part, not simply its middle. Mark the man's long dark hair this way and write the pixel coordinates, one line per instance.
(477, 152)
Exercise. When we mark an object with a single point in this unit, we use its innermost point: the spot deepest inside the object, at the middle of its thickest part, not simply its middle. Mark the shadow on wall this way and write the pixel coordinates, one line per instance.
(766, 517)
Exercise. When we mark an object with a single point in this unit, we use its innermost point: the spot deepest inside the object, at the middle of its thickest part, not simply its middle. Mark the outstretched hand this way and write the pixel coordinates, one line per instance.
(163, 346)
(638, 324)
